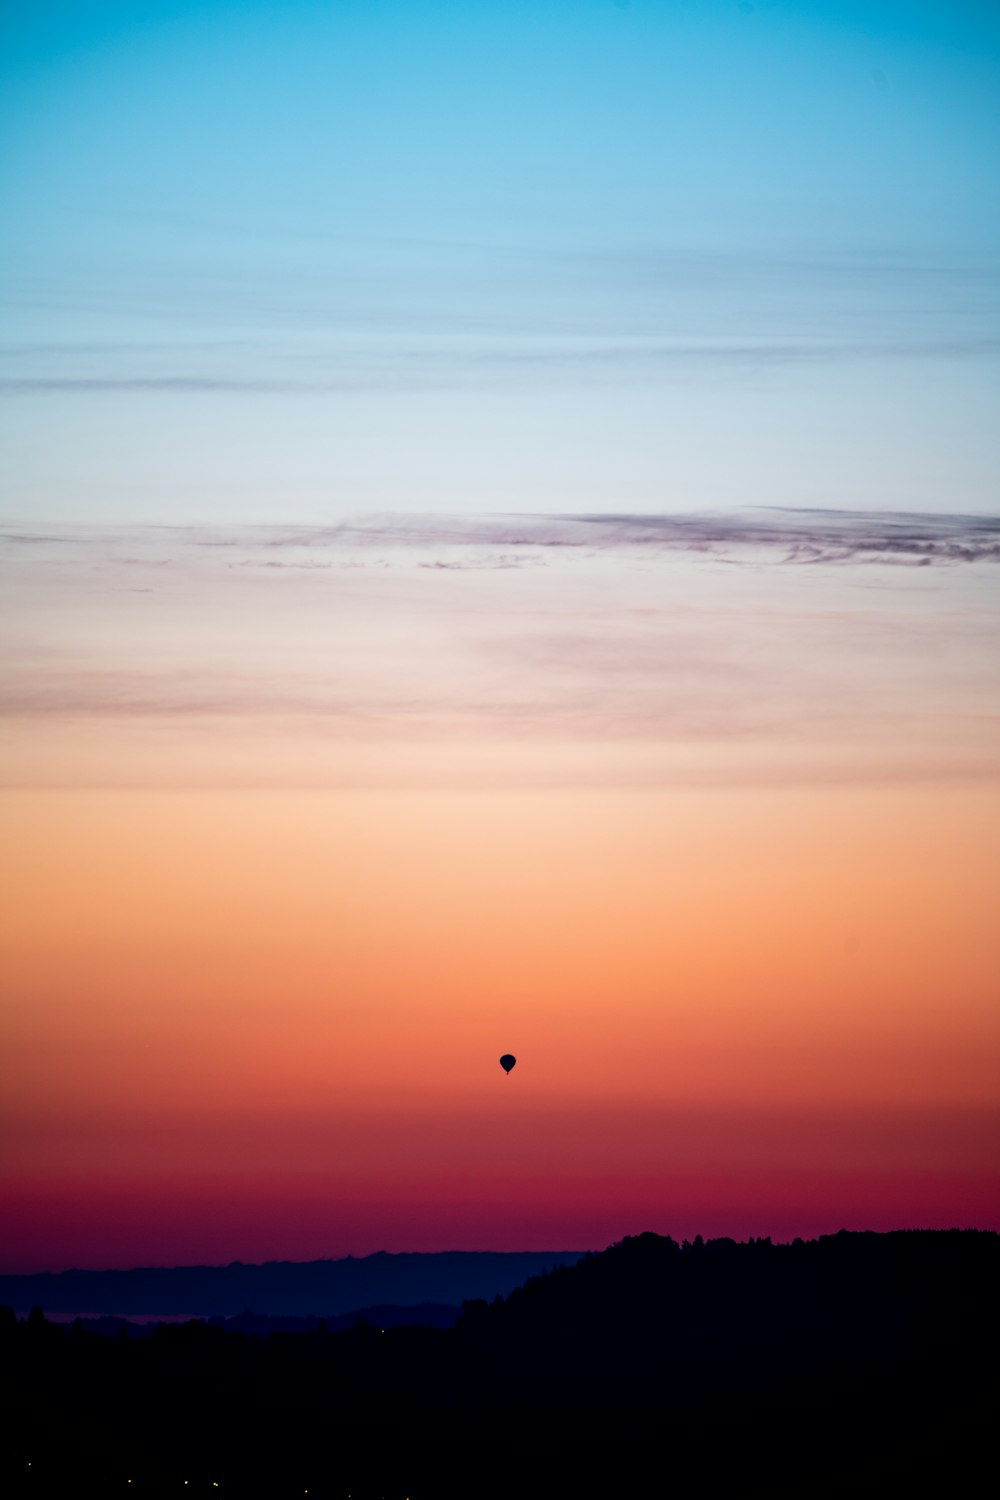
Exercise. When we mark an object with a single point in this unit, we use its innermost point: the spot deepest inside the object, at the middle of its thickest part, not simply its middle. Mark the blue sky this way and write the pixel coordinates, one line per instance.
(300, 260)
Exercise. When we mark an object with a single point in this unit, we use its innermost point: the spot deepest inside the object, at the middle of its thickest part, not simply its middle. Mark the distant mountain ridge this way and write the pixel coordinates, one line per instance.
(318, 1288)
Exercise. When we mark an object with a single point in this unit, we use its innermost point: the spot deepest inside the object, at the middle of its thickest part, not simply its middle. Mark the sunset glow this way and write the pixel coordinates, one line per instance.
(727, 889)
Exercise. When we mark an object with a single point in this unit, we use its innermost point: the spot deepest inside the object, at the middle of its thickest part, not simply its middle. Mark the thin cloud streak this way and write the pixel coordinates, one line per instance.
(774, 536)
(486, 366)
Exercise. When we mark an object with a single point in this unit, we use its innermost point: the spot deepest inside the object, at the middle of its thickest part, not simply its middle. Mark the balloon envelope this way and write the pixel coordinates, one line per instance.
(507, 1062)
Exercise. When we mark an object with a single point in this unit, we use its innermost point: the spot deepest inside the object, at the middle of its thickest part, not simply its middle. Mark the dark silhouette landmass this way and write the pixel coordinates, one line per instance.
(425, 1315)
(283, 1288)
(857, 1363)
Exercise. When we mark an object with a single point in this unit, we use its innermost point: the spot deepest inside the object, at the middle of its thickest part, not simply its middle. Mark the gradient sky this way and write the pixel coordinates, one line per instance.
(301, 260)
(305, 828)
(499, 553)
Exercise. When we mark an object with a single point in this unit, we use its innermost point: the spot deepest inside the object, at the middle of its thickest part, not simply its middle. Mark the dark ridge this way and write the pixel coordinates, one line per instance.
(857, 1363)
(318, 1288)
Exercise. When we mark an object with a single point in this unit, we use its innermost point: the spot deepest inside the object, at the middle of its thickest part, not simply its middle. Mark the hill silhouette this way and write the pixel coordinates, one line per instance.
(858, 1362)
(283, 1288)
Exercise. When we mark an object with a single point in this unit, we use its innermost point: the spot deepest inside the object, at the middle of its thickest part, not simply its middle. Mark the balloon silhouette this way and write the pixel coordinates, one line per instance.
(507, 1062)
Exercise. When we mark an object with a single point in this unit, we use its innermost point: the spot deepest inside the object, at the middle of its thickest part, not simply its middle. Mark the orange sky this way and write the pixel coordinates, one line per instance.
(292, 855)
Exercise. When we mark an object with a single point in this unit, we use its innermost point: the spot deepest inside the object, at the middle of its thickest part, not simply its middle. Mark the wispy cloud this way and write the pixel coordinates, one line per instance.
(484, 362)
(771, 535)
(61, 385)
(747, 639)
(776, 536)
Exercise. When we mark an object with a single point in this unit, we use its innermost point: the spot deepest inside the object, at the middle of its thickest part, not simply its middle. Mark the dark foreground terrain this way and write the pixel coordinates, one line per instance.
(858, 1363)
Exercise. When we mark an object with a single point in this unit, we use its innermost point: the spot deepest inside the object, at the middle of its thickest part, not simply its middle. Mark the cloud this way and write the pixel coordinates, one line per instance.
(455, 362)
(811, 536)
(779, 536)
(61, 385)
(776, 535)
(708, 645)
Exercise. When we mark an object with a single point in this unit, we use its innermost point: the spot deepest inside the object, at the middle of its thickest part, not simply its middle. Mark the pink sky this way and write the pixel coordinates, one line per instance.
(304, 830)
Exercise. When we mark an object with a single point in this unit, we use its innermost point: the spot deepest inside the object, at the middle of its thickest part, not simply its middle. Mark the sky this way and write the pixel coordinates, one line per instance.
(499, 548)
(308, 260)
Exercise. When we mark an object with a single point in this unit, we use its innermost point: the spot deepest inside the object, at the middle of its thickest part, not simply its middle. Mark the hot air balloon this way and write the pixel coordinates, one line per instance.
(507, 1062)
